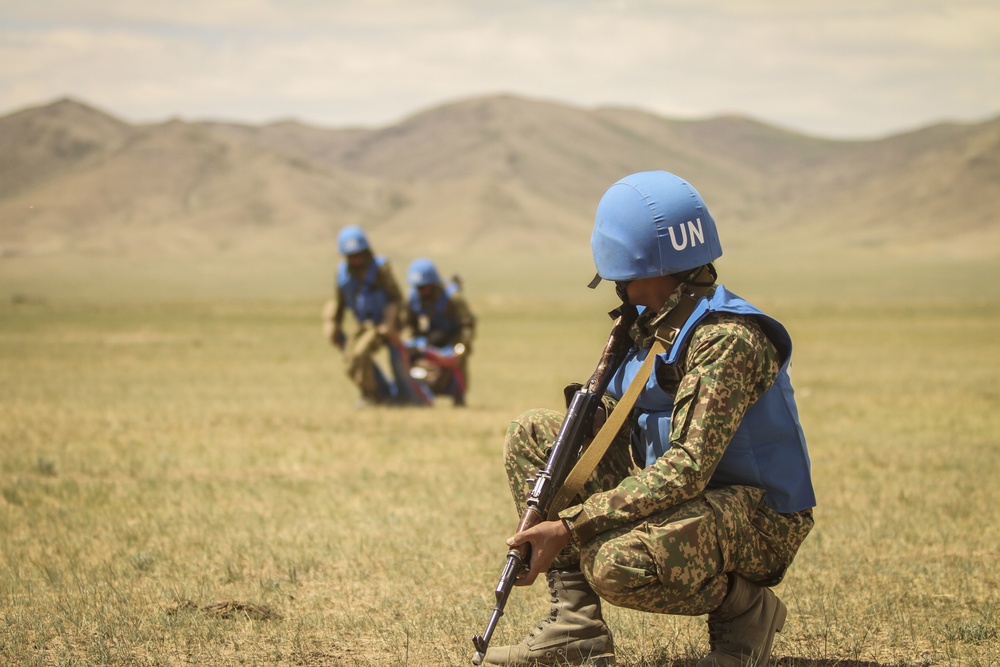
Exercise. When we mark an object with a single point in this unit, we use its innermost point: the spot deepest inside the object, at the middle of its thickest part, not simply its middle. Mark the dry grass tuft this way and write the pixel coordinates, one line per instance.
(229, 609)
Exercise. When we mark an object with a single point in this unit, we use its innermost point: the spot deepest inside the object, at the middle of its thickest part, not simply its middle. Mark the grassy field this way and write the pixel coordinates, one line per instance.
(185, 480)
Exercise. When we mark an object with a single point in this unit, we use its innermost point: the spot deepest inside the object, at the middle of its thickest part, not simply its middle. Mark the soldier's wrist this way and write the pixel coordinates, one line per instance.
(578, 523)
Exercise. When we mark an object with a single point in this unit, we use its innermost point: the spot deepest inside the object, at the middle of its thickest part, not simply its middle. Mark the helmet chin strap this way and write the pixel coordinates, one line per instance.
(703, 276)
(621, 310)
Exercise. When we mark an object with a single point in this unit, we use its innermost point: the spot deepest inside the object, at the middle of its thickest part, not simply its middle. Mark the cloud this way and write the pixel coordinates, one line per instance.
(841, 69)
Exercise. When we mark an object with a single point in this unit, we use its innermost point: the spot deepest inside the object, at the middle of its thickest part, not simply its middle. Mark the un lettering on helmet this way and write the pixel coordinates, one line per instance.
(652, 223)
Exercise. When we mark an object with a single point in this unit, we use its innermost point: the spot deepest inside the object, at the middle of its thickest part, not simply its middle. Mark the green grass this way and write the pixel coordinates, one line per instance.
(177, 434)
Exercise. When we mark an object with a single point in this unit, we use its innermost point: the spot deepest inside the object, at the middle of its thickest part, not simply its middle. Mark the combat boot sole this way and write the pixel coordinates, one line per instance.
(557, 658)
(580, 652)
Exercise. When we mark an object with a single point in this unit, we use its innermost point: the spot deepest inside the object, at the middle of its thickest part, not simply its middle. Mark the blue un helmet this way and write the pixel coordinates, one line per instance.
(422, 272)
(652, 224)
(351, 240)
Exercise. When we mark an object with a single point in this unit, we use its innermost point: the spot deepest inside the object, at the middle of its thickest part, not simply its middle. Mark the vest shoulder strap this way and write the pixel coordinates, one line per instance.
(675, 320)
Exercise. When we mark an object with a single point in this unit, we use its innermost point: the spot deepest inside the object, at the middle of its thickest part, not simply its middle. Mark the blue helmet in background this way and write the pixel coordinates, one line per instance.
(422, 272)
(351, 240)
(652, 223)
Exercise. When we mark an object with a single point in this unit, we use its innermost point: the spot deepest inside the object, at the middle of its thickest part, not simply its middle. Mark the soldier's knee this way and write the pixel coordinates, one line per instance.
(355, 368)
(530, 431)
(530, 420)
(617, 572)
(626, 574)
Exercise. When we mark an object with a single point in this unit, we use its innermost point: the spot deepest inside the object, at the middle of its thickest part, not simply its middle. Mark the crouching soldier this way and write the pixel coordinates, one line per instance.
(704, 496)
(366, 287)
(440, 330)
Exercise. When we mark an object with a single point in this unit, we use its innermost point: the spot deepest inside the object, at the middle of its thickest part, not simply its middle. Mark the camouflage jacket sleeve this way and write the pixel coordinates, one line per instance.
(458, 310)
(729, 363)
(393, 314)
(339, 307)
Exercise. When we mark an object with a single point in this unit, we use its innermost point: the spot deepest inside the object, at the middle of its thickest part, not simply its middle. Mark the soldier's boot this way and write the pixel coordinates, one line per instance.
(574, 633)
(742, 629)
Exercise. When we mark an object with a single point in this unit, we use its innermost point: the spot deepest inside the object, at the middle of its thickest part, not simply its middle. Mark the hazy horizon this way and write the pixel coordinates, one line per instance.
(851, 70)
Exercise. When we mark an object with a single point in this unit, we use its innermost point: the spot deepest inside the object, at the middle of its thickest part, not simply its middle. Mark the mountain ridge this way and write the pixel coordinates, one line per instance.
(492, 173)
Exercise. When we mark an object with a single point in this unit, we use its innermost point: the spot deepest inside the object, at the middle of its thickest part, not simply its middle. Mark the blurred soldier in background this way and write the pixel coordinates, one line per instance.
(440, 331)
(702, 499)
(366, 287)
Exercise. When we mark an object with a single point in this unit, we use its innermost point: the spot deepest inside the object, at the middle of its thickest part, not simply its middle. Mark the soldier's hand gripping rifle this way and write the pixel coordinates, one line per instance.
(576, 429)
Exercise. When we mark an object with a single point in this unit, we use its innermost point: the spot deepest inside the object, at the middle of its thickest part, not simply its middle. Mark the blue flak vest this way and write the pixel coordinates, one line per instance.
(768, 450)
(435, 314)
(361, 296)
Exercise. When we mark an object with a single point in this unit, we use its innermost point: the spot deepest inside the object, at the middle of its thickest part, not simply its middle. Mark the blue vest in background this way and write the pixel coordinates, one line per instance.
(360, 294)
(435, 313)
(768, 450)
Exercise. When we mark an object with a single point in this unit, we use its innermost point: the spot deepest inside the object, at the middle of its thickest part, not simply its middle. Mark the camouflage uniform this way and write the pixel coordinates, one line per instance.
(658, 539)
(362, 346)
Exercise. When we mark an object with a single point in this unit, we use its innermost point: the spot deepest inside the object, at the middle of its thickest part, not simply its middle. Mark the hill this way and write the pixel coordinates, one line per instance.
(498, 174)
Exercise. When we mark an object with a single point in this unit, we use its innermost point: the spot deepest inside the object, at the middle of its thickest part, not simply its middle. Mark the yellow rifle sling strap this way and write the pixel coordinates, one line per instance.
(666, 334)
(594, 452)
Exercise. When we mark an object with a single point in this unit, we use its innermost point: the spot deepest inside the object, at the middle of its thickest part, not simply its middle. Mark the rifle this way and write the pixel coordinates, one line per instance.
(575, 430)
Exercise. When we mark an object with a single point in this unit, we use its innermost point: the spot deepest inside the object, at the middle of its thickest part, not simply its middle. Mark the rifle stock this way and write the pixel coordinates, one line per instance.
(574, 432)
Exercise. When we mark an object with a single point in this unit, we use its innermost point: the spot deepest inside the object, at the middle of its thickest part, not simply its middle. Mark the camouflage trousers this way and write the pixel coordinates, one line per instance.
(673, 562)
(360, 358)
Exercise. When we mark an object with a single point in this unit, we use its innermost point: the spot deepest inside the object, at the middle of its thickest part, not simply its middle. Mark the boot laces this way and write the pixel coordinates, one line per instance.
(717, 630)
(553, 610)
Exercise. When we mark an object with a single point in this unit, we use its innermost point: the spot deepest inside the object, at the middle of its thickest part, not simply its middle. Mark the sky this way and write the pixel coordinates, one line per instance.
(838, 69)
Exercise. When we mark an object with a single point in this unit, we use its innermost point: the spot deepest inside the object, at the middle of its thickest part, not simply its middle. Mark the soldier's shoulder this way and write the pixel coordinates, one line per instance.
(729, 328)
(725, 321)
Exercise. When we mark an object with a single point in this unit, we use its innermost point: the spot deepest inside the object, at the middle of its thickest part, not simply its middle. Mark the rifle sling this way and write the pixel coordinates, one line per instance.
(666, 334)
